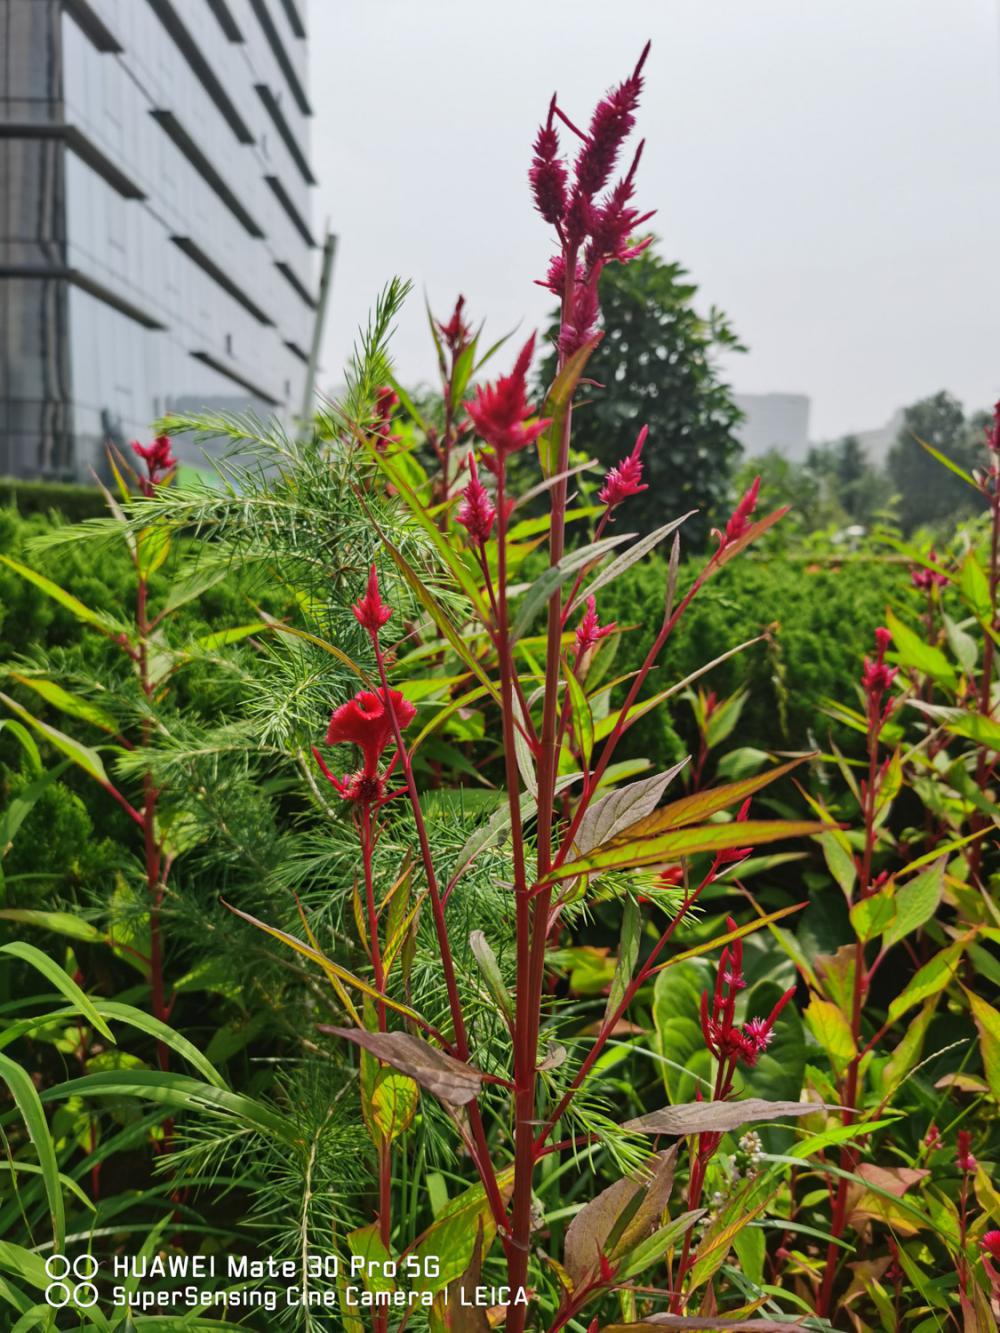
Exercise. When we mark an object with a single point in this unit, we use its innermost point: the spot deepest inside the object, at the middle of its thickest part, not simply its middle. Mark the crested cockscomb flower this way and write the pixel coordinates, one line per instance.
(964, 1159)
(501, 412)
(610, 126)
(370, 611)
(455, 331)
(478, 512)
(590, 632)
(625, 479)
(159, 460)
(548, 172)
(367, 722)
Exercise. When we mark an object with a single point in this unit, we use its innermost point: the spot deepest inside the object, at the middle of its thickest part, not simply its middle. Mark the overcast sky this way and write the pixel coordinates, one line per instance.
(828, 171)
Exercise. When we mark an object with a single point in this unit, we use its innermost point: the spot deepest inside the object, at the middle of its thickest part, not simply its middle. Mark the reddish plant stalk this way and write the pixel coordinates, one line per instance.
(983, 766)
(481, 1156)
(849, 1088)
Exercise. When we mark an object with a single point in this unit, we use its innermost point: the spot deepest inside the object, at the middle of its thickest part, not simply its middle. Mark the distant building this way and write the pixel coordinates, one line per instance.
(155, 237)
(877, 443)
(774, 421)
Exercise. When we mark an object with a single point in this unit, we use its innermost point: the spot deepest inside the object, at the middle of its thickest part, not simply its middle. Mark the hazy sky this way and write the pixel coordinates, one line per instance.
(828, 171)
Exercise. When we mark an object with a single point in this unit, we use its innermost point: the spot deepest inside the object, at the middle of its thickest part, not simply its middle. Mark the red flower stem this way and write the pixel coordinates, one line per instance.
(849, 1093)
(374, 947)
(983, 768)
(151, 848)
(609, 1023)
(482, 1158)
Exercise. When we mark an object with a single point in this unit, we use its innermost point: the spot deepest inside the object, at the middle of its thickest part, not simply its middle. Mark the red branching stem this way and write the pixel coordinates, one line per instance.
(482, 1157)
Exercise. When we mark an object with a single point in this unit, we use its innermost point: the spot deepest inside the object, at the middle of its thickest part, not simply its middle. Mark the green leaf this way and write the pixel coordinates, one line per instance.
(81, 755)
(30, 1106)
(703, 804)
(963, 645)
(152, 549)
(686, 842)
(931, 979)
(54, 694)
(916, 903)
(987, 1020)
(974, 586)
(582, 717)
(60, 923)
(62, 981)
(65, 599)
(193, 585)
(833, 1032)
(178, 1091)
(630, 557)
(947, 462)
(679, 1040)
(223, 637)
(628, 952)
(912, 651)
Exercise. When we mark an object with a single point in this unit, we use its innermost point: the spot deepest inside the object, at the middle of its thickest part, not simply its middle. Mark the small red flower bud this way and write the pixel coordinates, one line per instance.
(589, 631)
(159, 460)
(625, 479)
(371, 612)
(477, 513)
(963, 1156)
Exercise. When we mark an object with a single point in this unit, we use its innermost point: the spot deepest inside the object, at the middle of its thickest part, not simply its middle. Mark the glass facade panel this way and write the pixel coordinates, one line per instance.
(124, 306)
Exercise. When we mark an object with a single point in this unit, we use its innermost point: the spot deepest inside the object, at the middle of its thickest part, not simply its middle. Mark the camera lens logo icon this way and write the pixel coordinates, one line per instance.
(70, 1282)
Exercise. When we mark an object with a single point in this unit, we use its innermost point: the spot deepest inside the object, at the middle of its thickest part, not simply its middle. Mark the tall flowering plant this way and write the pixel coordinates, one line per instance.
(532, 652)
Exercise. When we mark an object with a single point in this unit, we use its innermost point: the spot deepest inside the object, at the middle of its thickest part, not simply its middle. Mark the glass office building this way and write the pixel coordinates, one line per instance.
(156, 251)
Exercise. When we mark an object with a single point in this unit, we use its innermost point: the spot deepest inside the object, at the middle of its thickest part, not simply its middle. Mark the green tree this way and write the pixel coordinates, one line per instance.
(930, 494)
(852, 489)
(657, 366)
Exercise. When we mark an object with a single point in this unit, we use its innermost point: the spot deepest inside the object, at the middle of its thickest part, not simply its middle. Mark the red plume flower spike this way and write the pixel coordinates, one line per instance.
(501, 412)
(625, 479)
(590, 632)
(548, 172)
(370, 611)
(610, 126)
(964, 1159)
(478, 512)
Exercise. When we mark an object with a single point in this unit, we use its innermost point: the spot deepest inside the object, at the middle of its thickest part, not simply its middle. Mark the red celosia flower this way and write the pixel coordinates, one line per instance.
(610, 125)
(991, 1244)
(928, 578)
(456, 331)
(932, 1139)
(590, 632)
(742, 514)
(366, 721)
(370, 611)
(159, 460)
(386, 401)
(993, 431)
(963, 1156)
(876, 677)
(500, 412)
(724, 1039)
(613, 223)
(625, 479)
(548, 173)
(477, 513)
(580, 322)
